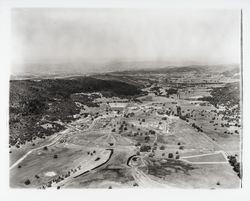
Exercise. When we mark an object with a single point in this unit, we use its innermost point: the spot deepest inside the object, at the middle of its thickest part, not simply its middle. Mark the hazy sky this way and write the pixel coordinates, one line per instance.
(46, 36)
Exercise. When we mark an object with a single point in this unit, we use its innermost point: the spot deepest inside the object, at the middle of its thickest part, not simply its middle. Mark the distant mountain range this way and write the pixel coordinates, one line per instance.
(49, 71)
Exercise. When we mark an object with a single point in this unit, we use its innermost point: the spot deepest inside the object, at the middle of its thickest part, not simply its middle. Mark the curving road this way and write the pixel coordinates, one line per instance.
(56, 138)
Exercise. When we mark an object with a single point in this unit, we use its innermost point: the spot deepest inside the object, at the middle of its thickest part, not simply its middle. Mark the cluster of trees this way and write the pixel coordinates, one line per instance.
(123, 127)
(171, 91)
(235, 164)
(229, 95)
(131, 114)
(197, 127)
(145, 148)
(91, 153)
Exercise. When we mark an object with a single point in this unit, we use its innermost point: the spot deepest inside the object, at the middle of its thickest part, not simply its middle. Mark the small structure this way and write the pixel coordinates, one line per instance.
(118, 106)
(46, 126)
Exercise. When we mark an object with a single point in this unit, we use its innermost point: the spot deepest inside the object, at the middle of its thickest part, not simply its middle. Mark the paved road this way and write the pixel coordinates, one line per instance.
(89, 166)
(56, 139)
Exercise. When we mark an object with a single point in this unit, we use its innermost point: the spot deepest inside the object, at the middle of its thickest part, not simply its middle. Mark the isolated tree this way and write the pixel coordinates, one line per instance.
(181, 147)
(45, 148)
(162, 147)
(135, 184)
(170, 155)
(27, 182)
(147, 138)
(55, 156)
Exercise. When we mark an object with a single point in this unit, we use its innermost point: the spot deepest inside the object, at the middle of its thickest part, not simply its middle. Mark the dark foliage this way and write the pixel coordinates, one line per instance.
(27, 182)
(145, 148)
(53, 100)
(236, 165)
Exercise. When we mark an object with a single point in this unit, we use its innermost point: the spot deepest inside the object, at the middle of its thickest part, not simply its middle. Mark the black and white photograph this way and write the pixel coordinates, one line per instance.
(125, 98)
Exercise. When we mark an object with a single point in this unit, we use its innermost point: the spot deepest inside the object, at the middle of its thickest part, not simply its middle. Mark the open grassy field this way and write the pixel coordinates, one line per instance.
(153, 129)
(213, 158)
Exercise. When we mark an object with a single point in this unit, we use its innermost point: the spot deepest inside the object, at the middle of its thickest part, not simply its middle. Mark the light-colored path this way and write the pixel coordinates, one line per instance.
(207, 162)
(55, 139)
(216, 152)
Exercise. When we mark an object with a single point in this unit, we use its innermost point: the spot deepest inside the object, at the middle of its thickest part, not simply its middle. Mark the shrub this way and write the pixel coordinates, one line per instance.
(97, 159)
(135, 184)
(147, 138)
(27, 182)
(162, 147)
(170, 155)
(181, 147)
